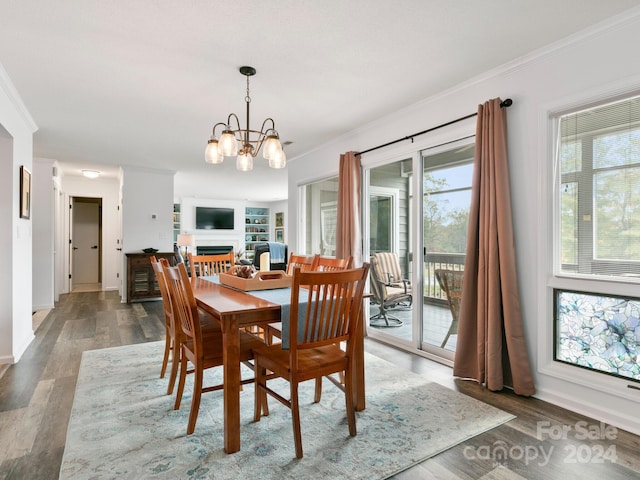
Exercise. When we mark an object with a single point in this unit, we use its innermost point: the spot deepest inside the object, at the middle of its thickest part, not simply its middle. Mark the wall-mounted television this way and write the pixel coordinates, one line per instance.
(213, 218)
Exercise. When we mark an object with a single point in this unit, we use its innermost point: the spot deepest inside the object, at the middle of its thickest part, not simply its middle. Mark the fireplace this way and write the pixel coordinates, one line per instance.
(213, 249)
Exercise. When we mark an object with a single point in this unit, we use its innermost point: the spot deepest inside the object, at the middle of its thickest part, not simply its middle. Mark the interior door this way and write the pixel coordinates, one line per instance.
(85, 241)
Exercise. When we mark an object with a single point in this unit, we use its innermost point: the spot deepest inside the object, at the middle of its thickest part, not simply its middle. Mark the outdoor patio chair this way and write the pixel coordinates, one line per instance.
(384, 298)
(451, 283)
(389, 271)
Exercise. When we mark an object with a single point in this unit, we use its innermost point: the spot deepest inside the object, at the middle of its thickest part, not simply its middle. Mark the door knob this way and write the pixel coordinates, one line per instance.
(75, 248)
(94, 247)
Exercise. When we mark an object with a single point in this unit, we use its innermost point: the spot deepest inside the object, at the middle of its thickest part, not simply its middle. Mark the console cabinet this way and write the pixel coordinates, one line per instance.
(141, 279)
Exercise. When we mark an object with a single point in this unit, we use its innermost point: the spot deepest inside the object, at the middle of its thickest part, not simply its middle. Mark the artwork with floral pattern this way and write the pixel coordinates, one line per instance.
(599, 332)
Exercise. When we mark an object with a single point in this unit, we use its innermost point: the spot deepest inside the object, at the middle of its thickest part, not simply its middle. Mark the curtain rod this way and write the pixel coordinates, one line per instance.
(505, 103)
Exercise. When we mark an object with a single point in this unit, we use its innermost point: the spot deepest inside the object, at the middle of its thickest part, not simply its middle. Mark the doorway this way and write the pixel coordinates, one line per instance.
(389, 230)
(85, 242)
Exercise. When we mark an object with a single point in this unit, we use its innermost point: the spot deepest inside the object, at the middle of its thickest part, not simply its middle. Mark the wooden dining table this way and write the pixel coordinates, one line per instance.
(234, 310)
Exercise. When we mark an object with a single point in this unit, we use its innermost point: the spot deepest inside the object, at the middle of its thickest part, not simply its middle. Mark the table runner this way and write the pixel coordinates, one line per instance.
(281, 296)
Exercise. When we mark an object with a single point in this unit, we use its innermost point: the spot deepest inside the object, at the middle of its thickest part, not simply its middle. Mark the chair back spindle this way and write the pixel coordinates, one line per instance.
(209, 265)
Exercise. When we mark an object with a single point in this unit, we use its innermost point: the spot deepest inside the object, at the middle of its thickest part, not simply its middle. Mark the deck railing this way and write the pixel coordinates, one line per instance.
(432, 262)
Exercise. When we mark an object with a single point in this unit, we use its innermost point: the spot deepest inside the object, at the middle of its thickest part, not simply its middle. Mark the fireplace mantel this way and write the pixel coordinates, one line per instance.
(218, 242)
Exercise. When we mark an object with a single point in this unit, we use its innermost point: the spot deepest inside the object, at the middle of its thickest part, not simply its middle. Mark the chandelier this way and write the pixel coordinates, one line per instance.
(244, 143)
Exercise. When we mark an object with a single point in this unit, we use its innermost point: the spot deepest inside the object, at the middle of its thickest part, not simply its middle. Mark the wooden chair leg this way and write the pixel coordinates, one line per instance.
(318, 392)
(295, 417)
(195, 400)
(167, 348)
(183, 376)
(259, 393)
(351, 410)
(175, 361)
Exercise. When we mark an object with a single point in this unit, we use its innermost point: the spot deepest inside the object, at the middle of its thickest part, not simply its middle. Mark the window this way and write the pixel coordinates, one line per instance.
(384, 219)
(320, 216)
(597, 236)
(598, 160)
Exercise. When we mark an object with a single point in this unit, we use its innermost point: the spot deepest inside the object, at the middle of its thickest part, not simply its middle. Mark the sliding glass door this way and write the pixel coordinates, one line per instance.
(446, 197)
(402, 216)
(389, 233)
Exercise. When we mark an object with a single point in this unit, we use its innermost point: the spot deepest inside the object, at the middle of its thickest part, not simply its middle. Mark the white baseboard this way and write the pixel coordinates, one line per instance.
(35, 308)
(20, 351)
(629, 422)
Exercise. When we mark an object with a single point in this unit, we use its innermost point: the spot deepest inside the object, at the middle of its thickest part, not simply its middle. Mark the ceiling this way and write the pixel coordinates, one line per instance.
(142, 83)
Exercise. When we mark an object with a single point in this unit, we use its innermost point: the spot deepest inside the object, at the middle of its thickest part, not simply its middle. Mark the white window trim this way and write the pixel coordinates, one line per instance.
(395, 207)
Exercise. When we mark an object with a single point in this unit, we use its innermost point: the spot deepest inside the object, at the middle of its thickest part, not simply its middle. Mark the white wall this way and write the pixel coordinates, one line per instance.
(146, 193)
(147, 211)
(42, 219)
(109, 190)
(594, 64)
(16, 149)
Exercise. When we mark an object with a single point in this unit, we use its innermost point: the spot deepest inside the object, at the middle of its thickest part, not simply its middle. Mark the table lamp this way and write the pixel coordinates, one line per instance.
(185, 240)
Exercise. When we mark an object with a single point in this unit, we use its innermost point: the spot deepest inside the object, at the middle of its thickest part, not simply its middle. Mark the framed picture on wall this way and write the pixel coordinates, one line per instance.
(280, 235)
(25, 192)
(279, 219)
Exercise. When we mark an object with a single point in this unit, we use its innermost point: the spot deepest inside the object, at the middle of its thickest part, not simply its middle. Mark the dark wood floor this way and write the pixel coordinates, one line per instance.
(37, 393)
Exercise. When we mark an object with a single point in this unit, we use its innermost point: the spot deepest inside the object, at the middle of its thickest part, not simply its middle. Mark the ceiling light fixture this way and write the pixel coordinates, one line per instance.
(91, 173)
(250, 140)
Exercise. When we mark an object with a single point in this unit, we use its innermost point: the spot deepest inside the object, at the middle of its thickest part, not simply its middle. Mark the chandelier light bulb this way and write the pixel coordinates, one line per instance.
(278, 160)
(211, 154)
(271, 146)
(228, 145)
(244, 162)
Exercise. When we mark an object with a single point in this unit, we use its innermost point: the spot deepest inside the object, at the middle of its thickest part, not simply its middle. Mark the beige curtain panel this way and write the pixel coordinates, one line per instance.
(491, 347)
(348, 232)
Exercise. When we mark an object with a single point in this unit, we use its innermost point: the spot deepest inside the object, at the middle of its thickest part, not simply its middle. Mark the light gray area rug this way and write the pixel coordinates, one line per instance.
(123, 425)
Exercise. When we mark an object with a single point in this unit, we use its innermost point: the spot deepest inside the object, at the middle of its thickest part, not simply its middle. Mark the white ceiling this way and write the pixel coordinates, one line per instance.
(143, 82)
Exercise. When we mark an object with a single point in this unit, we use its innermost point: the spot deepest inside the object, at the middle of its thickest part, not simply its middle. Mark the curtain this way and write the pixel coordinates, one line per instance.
(348, 233)
(491, 347)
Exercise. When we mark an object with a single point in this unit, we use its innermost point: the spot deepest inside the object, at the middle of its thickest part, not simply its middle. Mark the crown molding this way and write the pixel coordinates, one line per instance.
(14, 97)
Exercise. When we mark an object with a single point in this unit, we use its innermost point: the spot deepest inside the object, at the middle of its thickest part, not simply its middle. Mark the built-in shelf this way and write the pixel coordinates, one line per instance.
(256, 228)
(176, 221)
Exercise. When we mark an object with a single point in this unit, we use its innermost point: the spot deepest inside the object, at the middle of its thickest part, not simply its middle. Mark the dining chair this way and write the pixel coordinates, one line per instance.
(305, 263)
(329, 264)
(324, 311)
(208, 265)
(451, 284)
(202, 348)
(170, 344)
(308, 263)
(173, 331)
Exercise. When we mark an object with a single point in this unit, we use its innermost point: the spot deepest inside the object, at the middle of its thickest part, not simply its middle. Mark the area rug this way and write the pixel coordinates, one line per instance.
(123, 425)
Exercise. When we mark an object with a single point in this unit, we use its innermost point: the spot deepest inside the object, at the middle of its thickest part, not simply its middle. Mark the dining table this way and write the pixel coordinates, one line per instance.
(236, 309)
